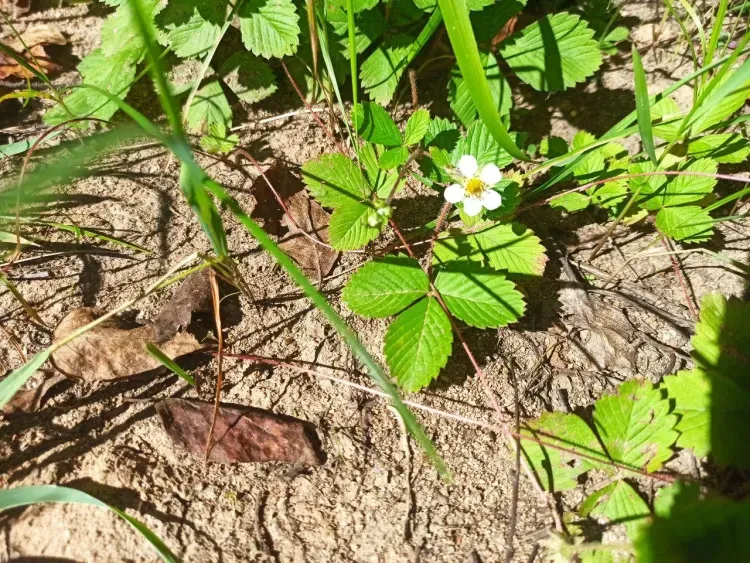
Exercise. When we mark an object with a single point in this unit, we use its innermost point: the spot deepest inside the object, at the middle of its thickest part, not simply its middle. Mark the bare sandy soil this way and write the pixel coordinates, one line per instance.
(373, 499)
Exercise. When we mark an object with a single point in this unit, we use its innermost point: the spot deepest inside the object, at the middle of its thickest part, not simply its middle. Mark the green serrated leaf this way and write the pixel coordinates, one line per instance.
(368, 27)
(357, 5)
(663, 118)
(480, 143)
(375, 125)
(488, 22)
(418, 344)
(635, 427)
(610, 194)
(385, 286)
(210, 111)
(270, 28)
(416, 127)
(114, 74)
(191, 27)
(714, 112)
(571, 202)
(592, 163)
(393, 158)
(460, 98)
(688, 224)
(559, 470)
(478, 296)
(442, 134)
(725, 148)
(249, 77)
(334, 180)
(621, 504)
(349, 228)
(553, 53)
(121, 36)
(512, 248)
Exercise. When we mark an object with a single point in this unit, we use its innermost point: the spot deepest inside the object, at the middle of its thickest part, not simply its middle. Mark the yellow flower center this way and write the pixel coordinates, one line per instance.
(474, 187)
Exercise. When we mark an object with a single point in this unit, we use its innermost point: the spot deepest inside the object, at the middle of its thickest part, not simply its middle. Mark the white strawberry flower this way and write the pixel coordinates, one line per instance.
(475, 190)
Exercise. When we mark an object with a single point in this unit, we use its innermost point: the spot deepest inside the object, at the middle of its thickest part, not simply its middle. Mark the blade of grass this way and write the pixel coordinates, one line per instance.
(169, 363)
(642, 107)
(353, 67)
(457, 23)
(36, 494)
(713, 42)
(374, 370)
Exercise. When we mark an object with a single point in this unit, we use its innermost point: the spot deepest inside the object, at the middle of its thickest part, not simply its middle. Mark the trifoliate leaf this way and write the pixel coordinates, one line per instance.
(121, 36)
(553, 53)
(726, 148)
(393, 158)
(334, 180)
(368, 27)
(559, 470)
(620, 504)
(713, 529)
(442, 134)
(460, 98)
(571, 202)
(209, 107)
(386, 286)
(417, 344)
(269, 28)
(488, 22)
(480, 143)
(635, 427)
(114, 74)
(664, 119)
(688, 224)
(192, 26)
(416, 127)
(375, 125)
(349, 228)
(479, 296)
(249, 77)
(510, 247)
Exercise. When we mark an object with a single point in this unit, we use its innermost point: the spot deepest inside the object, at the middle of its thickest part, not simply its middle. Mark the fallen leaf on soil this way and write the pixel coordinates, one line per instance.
(117, 348)
(267, 210)
(315, 259)
(609, 343)
(31, 400)
(241, 434)
(35, 39)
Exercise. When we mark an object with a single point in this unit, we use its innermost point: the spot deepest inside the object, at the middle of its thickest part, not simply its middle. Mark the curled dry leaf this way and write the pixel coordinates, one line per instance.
(30, 400)
(35, 39)
(117, 348)
(241, 434)
(303, 229)
(315, 259)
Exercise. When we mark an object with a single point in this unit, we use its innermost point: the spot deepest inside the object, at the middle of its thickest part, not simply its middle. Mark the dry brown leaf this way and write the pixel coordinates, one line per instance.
(315, 259)
(116, 348)
(30, 400)
(267, 210)
(35, 39)
(241, 434)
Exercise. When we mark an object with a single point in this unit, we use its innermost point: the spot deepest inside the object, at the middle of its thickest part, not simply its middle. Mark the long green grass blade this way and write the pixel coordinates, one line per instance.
(642, 107)
(169, 363)
(461, 34)
(36, 494)
(713, 42)
(353, 66)
(374, 370)
(13, 382)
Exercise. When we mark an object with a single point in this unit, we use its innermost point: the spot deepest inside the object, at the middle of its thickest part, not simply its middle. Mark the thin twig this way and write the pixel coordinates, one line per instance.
(678, 273)
(220, 355)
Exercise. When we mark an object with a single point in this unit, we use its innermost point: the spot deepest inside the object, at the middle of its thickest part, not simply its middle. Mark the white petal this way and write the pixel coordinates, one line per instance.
(490, 174)
(468, 166)
(472, 206)
(491, 199)
(454, 193)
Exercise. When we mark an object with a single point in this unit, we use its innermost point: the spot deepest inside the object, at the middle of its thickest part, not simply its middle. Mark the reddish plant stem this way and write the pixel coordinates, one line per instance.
(220, 355)
(327, 130)
(680, 278)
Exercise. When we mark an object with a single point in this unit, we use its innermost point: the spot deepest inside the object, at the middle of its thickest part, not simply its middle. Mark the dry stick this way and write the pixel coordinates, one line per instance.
(438, 227)
(681, 279)
(662, 477)
(509, 550)
(327, 130)
(484, 384)
(402, 173)
(219, 375)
